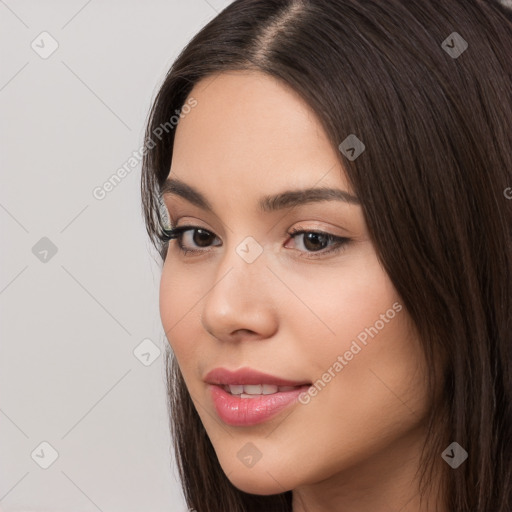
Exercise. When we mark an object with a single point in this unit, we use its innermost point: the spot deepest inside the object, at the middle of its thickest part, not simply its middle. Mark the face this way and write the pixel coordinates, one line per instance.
(290, 287)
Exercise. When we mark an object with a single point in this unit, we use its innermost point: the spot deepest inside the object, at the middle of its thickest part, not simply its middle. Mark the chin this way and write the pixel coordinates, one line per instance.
(262, 483)
(259, 487)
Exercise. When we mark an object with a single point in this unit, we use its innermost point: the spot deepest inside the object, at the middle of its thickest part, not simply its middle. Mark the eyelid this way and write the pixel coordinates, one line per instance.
(176, 216)
(174, 232)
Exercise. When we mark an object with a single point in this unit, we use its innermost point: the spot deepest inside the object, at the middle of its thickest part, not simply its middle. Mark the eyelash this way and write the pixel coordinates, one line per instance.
(177, 233)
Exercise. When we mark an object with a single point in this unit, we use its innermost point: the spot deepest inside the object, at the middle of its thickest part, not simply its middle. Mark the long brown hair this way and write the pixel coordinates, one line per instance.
(434, 110)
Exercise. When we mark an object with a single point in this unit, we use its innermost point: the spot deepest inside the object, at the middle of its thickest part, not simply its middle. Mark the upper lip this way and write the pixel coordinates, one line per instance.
(223, 376)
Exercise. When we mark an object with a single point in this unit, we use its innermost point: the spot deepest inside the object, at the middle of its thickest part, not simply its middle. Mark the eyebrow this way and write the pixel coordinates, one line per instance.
(269, 203)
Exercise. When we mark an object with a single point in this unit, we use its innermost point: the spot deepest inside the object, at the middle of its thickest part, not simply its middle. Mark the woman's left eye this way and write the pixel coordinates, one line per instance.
(312, 241)
(317, 241)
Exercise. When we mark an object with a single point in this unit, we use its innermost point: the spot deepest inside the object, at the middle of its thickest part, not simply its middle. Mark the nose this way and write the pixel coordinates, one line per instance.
(239, 303)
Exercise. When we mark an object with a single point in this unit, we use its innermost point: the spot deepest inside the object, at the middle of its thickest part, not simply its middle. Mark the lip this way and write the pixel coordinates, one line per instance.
(223, 376)
(244, 412)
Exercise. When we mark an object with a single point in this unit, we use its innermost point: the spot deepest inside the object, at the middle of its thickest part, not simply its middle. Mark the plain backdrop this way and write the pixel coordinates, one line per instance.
(82, 382)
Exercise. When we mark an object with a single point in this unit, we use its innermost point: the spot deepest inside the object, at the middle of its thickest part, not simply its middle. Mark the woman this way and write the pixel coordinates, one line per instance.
(332, 214)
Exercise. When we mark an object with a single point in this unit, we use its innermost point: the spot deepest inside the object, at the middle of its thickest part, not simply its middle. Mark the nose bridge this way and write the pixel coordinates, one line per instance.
(241, 274)
(239, 298)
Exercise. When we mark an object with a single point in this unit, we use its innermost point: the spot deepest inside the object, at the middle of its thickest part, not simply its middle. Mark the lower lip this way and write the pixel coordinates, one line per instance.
(244, 412)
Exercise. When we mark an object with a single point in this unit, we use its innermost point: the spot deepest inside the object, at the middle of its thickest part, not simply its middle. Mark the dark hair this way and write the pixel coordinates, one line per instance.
(432, 182)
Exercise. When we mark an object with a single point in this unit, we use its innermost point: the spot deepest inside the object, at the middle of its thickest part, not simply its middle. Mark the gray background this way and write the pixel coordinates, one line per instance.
(70, 321)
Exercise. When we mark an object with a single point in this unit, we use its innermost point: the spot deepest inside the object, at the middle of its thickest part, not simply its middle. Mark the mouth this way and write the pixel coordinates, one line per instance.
(248, 397)
(256, 390)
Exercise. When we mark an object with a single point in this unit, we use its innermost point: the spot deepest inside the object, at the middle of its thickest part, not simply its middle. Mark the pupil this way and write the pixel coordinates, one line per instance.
(204, 236)
(314, 237)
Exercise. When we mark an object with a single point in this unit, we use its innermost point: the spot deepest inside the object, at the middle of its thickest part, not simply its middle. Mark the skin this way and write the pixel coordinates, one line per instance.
(355, 446)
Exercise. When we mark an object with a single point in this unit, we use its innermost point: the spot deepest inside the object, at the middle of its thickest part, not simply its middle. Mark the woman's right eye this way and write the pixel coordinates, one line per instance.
(190, 238)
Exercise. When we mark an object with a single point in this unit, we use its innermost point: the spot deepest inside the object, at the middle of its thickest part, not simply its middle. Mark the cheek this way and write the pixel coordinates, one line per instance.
(180, 313)
(367, 332)
(365, 361)
(344, 301)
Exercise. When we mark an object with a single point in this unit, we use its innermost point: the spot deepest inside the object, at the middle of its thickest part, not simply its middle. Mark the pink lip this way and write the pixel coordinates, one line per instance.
(244, 412)
(223, 376)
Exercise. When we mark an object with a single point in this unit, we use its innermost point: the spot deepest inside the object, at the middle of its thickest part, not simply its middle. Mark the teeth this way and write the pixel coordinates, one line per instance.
(255, 390)
(269, 389)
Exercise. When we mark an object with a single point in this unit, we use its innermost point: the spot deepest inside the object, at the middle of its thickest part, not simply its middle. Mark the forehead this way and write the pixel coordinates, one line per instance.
(251, 130)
